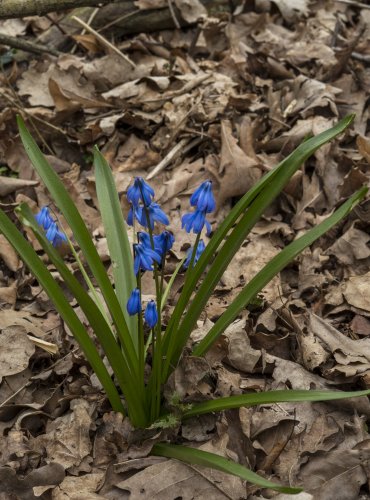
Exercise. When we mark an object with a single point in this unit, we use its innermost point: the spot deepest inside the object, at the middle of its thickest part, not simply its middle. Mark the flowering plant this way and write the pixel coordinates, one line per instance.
(142, 351)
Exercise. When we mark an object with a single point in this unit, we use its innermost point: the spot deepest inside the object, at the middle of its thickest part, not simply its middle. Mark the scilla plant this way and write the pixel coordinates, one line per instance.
(141, 351)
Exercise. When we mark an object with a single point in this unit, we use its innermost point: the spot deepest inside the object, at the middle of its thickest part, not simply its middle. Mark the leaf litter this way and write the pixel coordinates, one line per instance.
(225, 98)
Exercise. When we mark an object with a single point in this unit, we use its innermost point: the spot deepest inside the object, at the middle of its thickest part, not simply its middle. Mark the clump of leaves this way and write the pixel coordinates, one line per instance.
(131, 337)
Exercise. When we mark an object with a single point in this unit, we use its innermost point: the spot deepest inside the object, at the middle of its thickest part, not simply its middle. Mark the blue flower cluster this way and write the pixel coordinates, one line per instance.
(53, 233)
(203, 201)
(151, 249)
(143, 209)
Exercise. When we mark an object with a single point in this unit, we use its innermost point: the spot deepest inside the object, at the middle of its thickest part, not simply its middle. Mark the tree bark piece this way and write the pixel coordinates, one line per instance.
(23, 8)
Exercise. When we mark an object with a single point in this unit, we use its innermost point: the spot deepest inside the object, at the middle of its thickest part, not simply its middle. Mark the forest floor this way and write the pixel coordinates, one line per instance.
(224, 99)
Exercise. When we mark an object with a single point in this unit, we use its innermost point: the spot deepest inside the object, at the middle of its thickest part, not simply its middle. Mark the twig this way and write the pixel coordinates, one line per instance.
(182, 147)
(361, 57)
(104, 41)
(33, 47)
(118, 20)
(172, 11)
(359, 5)
(22, 8)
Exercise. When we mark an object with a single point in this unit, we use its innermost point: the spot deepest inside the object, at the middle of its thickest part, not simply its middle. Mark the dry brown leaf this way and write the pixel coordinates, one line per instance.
(237, 172)
(8, 254)
(291, 9)
(10, 184)
(191, 10)
(363, 144)
(352, 356)
(80, 488)
(338, 474)
(15, 350)
(67, 438)
(356, 291)
(10, 483)
(351, 247)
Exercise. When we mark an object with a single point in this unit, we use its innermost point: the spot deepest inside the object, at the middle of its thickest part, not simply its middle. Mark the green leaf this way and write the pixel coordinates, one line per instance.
(267, 397)
(37, 267)
(252, 205)
(82, 236)
(213, 461)
(99, 325)
(272, 268)
(117, 239)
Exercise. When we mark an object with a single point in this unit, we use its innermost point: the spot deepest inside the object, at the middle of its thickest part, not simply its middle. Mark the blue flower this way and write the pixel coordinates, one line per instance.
(195, 221)
(134, 212)
(163, 242)
(203, 198)
(144, 238)
(55, 236)
(44, 219)
(151, 315)
(200, 249)
(134, 302)
(140, 191)
(144, 258)
(155, 213)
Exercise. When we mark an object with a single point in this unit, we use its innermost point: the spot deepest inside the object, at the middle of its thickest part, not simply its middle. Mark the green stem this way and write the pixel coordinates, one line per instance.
(142, 352)
(172, 341)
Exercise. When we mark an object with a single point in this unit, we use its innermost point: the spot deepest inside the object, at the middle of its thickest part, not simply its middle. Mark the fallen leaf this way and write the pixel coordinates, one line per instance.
(15, 350)
(191, 10)
(12, 484)
(10, 184)
(237, 172)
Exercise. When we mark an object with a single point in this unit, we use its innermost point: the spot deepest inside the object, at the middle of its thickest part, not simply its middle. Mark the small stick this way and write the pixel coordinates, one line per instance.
(168, 158)
(353, 4)
(173, 15)
(104, 41)
(33, 47)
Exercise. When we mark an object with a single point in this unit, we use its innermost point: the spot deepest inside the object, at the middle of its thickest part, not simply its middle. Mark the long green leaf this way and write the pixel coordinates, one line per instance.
(81, 233)
(117, 239)
(213, 461)
(271, 269)
(37, 267)
(258, 198)
(296, 396)
(101, 328)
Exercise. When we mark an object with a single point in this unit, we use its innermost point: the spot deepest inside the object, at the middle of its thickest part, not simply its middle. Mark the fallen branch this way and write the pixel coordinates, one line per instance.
(35, 48)
(23, 8)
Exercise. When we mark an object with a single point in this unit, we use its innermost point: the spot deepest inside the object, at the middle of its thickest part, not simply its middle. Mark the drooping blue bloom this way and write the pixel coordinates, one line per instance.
(203, 198)
(140, 191)
(155, 213)
(151, 315)
(195, 222)
(144, 238)
(55, 236)
(134, 302)
(44, 219)
(200, 249)
(163, 242)
(134, 212)
(144, 258)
